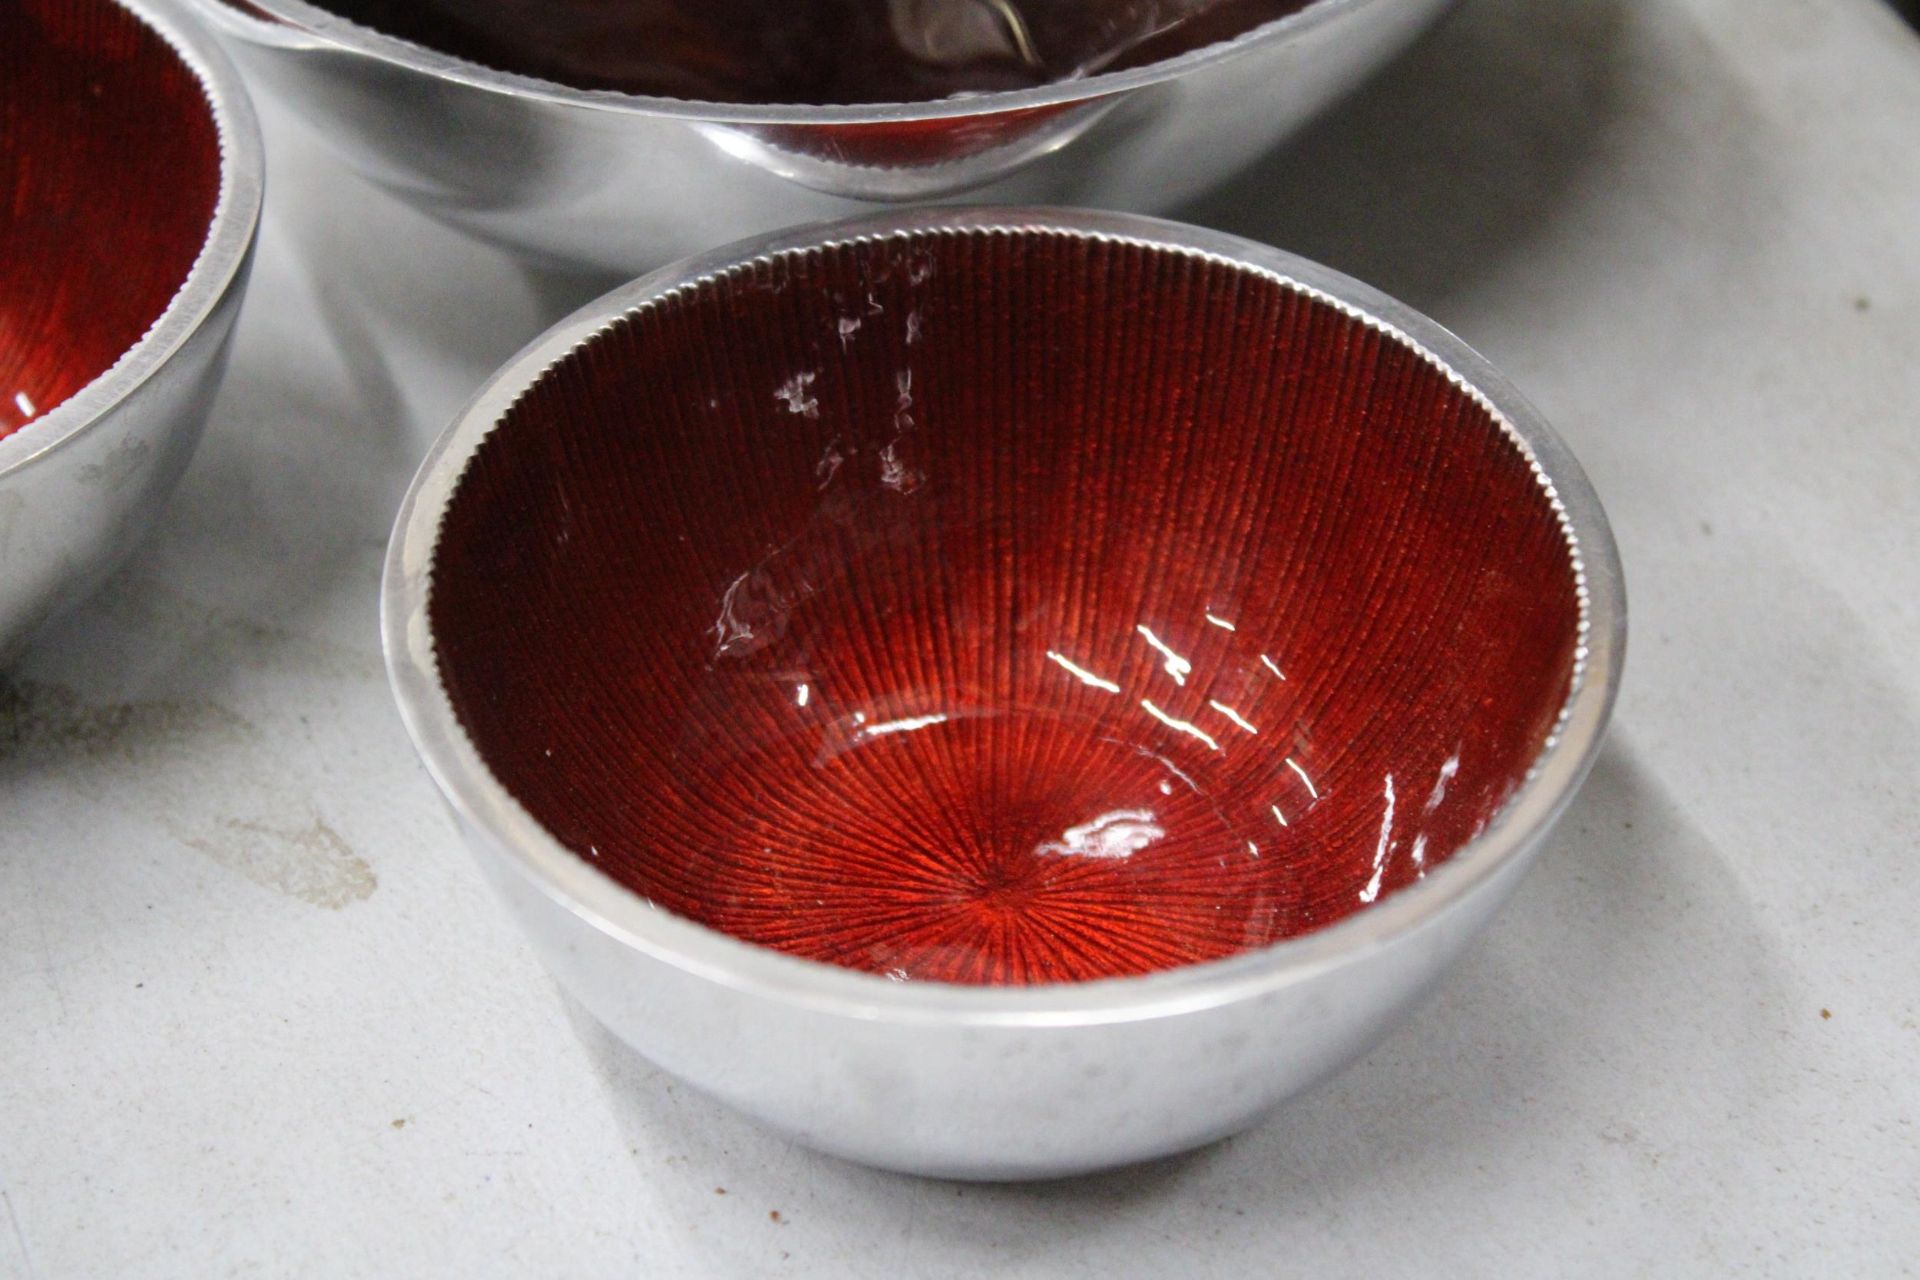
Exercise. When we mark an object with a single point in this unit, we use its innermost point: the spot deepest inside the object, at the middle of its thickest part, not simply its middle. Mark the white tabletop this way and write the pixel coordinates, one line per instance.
(259, 1015)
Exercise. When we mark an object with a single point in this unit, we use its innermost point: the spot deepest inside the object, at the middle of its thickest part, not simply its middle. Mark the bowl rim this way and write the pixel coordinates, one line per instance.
(330, 29)
(223, 254)
(487, 812)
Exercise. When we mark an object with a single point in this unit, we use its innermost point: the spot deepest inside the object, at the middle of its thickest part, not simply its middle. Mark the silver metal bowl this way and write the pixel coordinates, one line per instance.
(83, 483)
(994, 1082)
(610, 181)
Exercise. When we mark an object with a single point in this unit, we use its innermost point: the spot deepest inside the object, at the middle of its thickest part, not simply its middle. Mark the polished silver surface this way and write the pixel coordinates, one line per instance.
(615, 182)
(993, 1082)
(81, 485)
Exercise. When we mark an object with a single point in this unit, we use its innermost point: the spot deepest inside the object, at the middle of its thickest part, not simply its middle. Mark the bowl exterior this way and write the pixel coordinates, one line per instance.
(608, 186)
(945, 1098)
(972, 1082)
(81, 485)
(71, 514)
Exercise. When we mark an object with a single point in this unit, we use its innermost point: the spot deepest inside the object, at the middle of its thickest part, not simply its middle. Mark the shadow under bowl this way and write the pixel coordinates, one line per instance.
(1015, 622)
(583, 176)
(134, 170)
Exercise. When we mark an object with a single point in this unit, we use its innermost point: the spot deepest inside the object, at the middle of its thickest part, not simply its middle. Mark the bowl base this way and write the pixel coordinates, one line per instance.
(975, 846)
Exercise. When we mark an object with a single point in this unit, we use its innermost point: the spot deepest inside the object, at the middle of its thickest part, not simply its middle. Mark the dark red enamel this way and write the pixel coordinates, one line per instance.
(909, 143)
(109, 175)
(806, 51)
(831, 604)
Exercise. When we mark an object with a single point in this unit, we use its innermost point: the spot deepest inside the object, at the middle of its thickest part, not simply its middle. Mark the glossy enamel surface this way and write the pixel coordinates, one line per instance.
(811, 51)
(133, 172)
(111, 161)
(966, 1078)
(1005, 608)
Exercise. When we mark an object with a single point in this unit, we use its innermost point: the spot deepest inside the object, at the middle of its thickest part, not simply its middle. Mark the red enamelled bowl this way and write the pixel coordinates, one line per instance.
(1002, 693)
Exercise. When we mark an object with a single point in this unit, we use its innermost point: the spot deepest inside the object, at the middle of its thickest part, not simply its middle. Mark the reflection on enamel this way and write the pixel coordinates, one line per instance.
(1183, 726)
(1380, 852)
(1080, 673)
(1177, 667)
(1279, 816)
(1419, 854)
(900, 726)
(1311, 790)
(733, 630)
(895, 474)
(795, 395)
(1166, 788)
(903, 400)
(801, 695)
(1119, 834)
(1232, 715)
(24, 404)
(1273, 666)
(1447, 772)
(1220, 622)
(829, 465)
(1175, 770)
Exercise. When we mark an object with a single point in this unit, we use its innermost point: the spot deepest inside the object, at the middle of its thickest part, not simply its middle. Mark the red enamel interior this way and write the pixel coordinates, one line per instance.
(110, 169)
(906, 143)
(995, 607)
(810, 51)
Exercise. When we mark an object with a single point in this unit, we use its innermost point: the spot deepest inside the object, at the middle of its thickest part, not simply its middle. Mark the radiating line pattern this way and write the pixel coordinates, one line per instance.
(1044, 734)
(109, 176)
